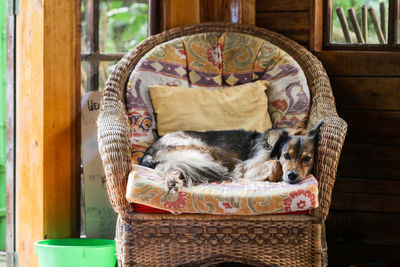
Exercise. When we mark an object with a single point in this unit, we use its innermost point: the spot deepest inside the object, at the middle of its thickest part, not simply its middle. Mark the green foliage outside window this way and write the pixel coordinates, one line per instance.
(122, 25)
(337, 34)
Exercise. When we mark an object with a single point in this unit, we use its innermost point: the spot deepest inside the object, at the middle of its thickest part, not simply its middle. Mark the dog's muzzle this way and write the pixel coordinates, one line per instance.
(292, 177)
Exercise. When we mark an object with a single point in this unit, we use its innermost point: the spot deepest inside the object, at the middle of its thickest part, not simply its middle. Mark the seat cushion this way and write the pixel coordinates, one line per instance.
(238, 107)
(213, 61)
(240, 197)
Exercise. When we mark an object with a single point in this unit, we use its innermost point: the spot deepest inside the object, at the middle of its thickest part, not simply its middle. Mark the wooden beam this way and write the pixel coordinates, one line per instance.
(249, 12)
(284, 21)
(46, 167)
(177, 13)
(214, 10)
(360, 63)
(316, 25)
(377, 124)
(361, 227)
(10, 168)
(346, 254)
(282, 5)
(370, 161)
(366, 93)
(154, 17)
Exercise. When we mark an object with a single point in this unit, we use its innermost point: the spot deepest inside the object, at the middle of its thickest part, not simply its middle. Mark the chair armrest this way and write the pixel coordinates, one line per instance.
(114, 147)
(332, 135)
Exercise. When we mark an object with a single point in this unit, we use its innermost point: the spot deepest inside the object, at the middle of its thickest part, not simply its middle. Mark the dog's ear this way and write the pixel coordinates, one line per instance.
(314, 132)
(277, 148)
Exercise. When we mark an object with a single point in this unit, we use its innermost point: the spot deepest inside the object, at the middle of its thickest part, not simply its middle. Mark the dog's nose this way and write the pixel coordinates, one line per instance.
(292, 176)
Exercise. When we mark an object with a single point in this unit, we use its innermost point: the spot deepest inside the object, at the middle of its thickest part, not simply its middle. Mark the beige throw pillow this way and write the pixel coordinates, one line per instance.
(195, 109)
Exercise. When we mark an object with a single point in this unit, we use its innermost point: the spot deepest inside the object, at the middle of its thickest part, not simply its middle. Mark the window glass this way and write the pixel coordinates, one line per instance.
(105, 68)
(119, 25)
(122, 25)
(110, 29)
(84, 26)
(359, 21)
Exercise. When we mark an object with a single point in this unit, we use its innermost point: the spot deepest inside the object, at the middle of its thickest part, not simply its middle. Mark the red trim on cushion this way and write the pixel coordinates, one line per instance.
(140, 208)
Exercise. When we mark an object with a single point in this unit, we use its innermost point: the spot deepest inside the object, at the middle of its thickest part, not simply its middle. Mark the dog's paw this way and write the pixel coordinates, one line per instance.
(238, 171)
(173, 183)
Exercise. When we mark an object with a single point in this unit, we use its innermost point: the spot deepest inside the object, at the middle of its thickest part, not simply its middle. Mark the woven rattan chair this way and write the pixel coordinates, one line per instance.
(171, 240)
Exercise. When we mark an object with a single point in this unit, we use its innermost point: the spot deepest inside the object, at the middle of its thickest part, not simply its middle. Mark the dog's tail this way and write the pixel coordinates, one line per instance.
(194, 166)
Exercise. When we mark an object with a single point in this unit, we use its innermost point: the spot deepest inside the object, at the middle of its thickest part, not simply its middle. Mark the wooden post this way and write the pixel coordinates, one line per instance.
(364, 23)
(181, 12)
(92, 32)
(248, 12)
(343, 23)
(10, 168)
(316, 25)
(153, 13)
(382, 9)
(177, 13)
(356, 27)
(215, 11)
(378, 31)
(47, 73)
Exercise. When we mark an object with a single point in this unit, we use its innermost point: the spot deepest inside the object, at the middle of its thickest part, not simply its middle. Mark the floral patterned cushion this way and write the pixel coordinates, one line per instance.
(234, 198)
(213, 61)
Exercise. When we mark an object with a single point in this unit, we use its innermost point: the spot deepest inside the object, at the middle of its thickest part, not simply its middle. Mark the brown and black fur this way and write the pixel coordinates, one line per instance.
(235, 154)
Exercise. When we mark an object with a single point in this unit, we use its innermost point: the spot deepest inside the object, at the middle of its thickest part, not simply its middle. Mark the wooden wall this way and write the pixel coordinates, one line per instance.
(363, 225)
(291, 18)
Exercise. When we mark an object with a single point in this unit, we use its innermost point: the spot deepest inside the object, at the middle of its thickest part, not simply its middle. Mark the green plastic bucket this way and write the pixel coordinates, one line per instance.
(76, 252)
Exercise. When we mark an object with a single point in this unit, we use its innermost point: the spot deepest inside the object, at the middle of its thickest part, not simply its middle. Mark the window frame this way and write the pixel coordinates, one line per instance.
(93, 57)
(393, 43)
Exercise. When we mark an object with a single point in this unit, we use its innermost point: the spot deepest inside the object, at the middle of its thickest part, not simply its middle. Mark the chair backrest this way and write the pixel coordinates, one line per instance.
(114, 130)
(215, 60)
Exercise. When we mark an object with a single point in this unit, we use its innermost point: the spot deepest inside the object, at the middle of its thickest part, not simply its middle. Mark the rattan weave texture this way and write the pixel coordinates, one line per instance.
(143, 247)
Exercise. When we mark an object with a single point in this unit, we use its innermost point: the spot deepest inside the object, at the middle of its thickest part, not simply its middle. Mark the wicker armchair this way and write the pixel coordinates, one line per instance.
(170, 240)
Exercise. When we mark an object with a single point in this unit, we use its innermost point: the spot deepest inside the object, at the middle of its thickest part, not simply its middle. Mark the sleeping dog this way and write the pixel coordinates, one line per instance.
(201, 157)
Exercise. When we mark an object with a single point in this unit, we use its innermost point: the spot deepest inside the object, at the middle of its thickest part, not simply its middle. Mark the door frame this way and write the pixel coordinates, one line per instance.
(10, 146)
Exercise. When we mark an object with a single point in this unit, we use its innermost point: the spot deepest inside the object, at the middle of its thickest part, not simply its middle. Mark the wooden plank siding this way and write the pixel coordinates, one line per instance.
(292, 24)
(366, 198)
(366, 93)
(382, 130)
(365, 205)
(282, 5)
(370, 161)
(355, 230)
(363, 223)
(291, 18)
(361, 63)
(236, 11)
(341, 253)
